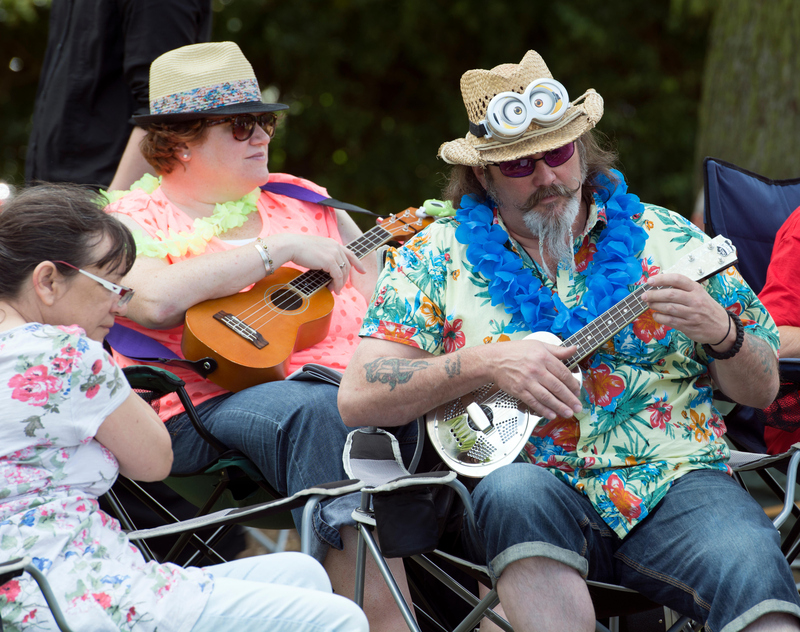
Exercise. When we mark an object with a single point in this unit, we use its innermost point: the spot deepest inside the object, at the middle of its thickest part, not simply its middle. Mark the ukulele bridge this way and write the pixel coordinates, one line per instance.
(242, 328)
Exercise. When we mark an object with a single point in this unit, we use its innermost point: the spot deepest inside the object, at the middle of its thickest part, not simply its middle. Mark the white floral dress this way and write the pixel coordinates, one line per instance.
(56, 389)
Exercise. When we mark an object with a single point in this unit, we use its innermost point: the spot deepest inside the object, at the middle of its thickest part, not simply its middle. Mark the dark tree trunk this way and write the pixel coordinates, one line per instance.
(750, 109)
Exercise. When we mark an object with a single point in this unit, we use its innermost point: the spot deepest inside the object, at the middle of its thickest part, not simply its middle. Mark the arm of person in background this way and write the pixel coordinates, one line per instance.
(153, 27)
(165, 292)
(790, 341)
(132, 166)
(138, 439)
(781, 293)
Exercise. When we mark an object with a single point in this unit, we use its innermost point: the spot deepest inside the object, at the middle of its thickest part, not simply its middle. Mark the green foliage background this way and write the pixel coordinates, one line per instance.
(373, 85)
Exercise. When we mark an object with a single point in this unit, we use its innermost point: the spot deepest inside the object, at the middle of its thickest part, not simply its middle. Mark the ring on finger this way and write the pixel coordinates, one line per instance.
(343, 264)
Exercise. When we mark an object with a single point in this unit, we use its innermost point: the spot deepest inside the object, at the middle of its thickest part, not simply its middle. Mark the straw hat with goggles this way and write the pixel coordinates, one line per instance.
(517, 110)
(206, 80)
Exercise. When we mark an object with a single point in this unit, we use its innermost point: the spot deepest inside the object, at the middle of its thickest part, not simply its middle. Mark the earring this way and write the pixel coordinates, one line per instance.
(185, 155)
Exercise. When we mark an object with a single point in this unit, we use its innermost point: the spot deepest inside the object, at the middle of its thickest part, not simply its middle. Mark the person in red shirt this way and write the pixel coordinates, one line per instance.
(781, 297)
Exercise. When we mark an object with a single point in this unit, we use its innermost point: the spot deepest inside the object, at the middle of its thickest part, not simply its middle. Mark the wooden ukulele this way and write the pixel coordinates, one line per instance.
(253, 334)
(482, 430)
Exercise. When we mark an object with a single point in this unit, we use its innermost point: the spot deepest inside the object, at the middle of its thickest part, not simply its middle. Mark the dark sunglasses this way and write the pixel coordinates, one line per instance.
(525, 166)
(243, 125)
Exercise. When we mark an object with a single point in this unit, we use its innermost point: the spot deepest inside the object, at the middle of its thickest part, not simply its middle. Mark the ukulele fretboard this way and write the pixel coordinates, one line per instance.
(311, 281)
(606, 325)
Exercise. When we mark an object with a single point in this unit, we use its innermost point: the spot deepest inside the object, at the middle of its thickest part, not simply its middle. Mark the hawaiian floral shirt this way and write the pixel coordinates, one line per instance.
(56, 389)
(648, 416)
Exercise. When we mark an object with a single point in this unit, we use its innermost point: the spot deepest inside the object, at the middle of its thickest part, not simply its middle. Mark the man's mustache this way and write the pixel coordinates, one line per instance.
(558, 190)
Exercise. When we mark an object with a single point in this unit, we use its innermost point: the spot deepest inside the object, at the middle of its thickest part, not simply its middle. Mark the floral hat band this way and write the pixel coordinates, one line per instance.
(207, 97)
(202, 80)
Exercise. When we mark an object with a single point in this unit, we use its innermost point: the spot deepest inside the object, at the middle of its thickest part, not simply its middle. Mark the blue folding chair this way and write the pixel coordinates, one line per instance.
(748, 209)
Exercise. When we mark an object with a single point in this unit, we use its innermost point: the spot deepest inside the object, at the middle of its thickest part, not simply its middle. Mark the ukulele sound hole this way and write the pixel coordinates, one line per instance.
(286, 300)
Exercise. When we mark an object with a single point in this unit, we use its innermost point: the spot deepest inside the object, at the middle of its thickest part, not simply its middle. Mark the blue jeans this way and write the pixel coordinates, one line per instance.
(292, 431)
(707, 550)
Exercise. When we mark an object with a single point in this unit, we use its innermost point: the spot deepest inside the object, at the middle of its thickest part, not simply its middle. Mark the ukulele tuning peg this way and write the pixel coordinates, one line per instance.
(710, 246)
(691, 258)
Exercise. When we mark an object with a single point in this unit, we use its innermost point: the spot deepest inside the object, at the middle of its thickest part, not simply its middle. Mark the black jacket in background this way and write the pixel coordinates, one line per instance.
(95, 76)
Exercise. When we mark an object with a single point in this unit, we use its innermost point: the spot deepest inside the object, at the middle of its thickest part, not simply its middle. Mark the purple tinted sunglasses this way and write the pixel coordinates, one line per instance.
(525, 166)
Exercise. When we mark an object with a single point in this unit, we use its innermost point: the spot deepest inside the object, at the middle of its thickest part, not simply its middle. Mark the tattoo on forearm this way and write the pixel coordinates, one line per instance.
(393, 371)
(453, 367)
(763, 352)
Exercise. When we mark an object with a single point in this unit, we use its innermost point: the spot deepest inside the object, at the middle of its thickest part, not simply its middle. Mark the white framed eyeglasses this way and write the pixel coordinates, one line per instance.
(125, 293)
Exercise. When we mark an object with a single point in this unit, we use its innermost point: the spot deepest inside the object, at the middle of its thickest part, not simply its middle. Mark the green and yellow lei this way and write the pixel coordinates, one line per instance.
(178, 244)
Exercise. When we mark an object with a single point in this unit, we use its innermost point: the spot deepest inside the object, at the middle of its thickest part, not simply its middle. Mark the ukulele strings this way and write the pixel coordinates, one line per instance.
(601, 326)
(261, 313)
(606, 325)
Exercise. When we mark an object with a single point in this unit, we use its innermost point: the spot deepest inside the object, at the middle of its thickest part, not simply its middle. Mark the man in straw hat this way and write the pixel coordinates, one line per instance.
(205, 230)
(632, 485)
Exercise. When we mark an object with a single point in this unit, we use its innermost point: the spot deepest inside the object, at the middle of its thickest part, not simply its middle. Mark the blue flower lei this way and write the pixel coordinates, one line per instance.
(614, 267)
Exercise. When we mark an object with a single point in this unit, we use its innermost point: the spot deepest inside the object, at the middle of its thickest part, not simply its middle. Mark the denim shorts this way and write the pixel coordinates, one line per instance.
(293, 433)
(707, 550)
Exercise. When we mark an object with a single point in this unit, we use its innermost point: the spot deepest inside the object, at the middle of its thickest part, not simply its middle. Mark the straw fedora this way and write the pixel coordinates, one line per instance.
(479, 87)
(203, 80)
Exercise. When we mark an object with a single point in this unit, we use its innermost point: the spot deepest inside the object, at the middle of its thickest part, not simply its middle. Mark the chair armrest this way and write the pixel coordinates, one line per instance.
(309, 497)
(14, 568)
(748, 461)
(153, 378)
(791, 480)
(163, 382)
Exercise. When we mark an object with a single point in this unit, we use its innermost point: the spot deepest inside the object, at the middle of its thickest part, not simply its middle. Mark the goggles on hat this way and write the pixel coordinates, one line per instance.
(522, 167)
(509, 114)
(243, 125)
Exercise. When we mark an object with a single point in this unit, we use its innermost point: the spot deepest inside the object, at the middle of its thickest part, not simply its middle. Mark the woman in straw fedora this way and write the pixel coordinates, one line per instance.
(71, 424)
(205, 230)
(632, 483)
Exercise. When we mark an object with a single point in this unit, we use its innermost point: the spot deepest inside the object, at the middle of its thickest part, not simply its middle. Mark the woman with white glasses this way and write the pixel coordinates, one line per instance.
(70, 423)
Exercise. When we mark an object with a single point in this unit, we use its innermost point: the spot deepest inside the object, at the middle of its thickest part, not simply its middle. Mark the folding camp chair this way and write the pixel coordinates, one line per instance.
(406, 511)
(231, 480)
(307, 498)
(749, 209)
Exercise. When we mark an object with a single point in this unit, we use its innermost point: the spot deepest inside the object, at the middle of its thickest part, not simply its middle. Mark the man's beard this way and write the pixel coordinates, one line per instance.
(551, 225)
(555, 233)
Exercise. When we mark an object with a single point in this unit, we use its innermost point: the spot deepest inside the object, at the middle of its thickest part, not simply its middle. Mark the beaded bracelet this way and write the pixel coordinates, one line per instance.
(737, 345)
(261, 246)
